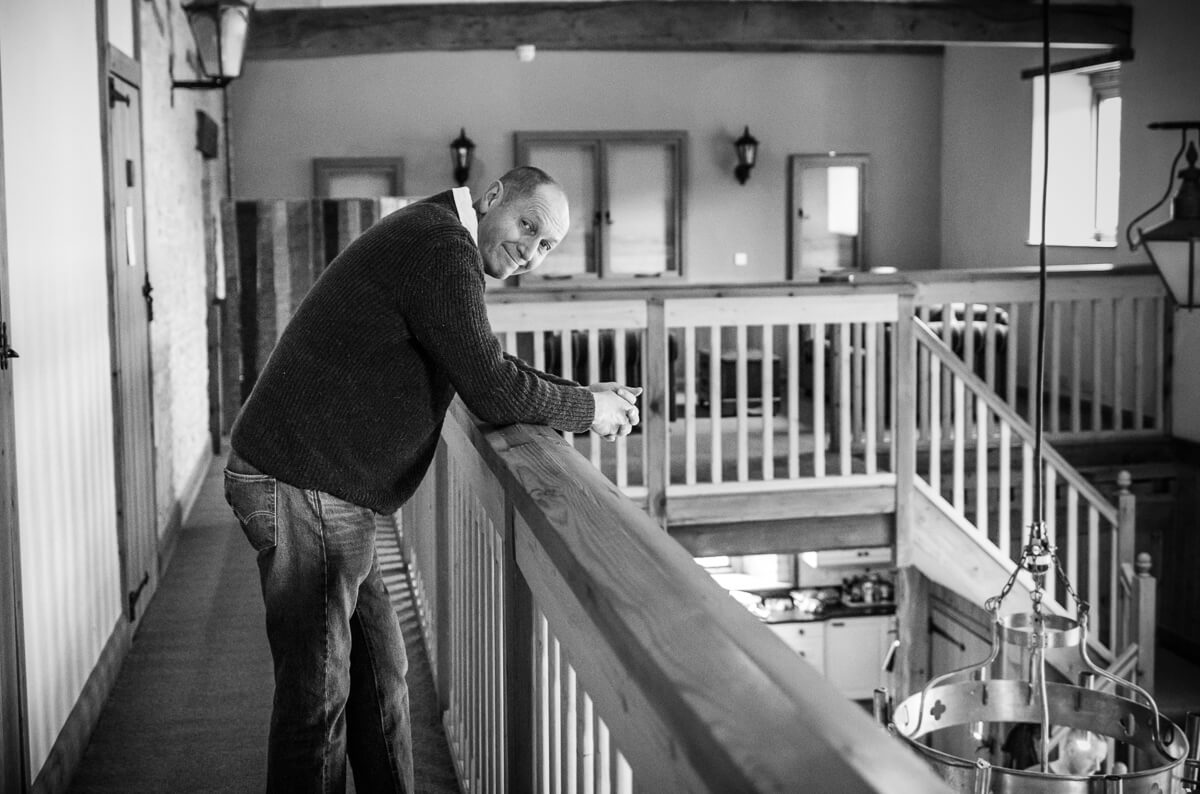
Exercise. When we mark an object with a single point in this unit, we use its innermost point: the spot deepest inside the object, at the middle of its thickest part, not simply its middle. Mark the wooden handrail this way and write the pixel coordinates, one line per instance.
(667, 636)
(975, 384)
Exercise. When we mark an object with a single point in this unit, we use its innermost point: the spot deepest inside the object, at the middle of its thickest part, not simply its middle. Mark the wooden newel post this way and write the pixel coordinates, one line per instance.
(656, 411)
(1126, 519)
(1145, 600)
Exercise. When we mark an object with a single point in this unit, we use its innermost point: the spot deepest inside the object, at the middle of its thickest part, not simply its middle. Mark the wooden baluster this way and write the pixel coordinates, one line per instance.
(795, 339)
(923, 391)
(1011, 344)
(1004, 516)
(603, 765)
(656, 434)
(743, 442)
(1118, 368)
(586, 745)
(1076, 334)
(543, 675)
(1145, 598)
(870, 396)
(960, 454)
(935, 423)
(557, 737)
(1093, 569)
(1097, 371)
(1139, 360)
(857, 389)
(716, 408)
(1053, 377)
(844, 398)
(593, 347)
(1050, 516)
(982, 503)
(1026, 492)
(522, 667)
(619, 367)
(570, 747)
(689, 404)
(1160, 333)
(624, 776)
(968, 353)
(819, 399)
(1126, 517)
(947, 376)
(1034, 398)
(989, 349)
(767, 390)
(567, 366)
(1072, 544)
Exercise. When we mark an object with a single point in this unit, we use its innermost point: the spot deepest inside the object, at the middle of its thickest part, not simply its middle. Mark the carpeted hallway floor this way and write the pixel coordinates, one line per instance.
(190, 708)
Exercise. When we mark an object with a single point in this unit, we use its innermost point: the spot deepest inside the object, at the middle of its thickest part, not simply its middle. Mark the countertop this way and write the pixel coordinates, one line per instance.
(830, 612)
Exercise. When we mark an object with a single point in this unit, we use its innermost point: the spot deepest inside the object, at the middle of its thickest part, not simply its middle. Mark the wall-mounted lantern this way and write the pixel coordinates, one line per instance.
(747, 152)
(219, 28)
(1172, 245)
(462, 148)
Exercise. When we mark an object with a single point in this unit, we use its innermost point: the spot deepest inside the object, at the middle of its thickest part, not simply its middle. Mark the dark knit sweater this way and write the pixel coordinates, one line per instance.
(352, 399)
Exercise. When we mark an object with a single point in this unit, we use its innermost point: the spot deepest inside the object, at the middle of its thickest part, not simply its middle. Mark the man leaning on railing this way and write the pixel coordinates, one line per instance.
(343, 423)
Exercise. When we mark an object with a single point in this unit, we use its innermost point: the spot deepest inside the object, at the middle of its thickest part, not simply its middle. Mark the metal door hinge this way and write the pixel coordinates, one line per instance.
(115, 96)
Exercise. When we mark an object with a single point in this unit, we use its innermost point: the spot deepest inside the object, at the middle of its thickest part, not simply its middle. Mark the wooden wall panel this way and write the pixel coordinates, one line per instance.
(275, 250)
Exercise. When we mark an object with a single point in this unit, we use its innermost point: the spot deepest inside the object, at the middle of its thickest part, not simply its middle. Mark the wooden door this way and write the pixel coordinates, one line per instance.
(131, 314)
(13, 773)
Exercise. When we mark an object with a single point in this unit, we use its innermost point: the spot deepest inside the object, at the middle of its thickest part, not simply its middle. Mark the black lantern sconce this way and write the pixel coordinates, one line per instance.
(1172, 245)
(747, 152)
(219, 28)
(462, 148)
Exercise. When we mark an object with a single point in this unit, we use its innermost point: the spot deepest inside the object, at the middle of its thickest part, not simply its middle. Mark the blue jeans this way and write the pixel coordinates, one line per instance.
(336, 643)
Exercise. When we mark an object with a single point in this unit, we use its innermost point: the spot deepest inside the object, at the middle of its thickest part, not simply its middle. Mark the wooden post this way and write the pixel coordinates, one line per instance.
(656, 412)
(442, 564)
(1145, 602)
(1126, 518)
(518, 696)
(911, 668)
(904, 424)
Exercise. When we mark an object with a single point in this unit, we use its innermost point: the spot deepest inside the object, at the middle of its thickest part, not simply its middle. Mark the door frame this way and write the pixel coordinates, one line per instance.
(14, 734)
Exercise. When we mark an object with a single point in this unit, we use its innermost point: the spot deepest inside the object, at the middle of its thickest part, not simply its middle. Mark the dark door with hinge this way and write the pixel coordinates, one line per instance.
(14, 775)
(132, 310)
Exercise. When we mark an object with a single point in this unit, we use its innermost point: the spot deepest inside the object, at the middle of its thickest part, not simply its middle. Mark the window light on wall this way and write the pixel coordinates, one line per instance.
(1085, 157)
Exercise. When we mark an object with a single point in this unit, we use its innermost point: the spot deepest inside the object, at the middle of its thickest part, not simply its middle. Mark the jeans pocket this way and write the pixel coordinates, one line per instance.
(252, 498)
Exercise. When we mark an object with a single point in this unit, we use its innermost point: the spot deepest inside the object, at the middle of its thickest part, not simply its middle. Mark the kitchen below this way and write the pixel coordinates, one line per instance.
(834, 608)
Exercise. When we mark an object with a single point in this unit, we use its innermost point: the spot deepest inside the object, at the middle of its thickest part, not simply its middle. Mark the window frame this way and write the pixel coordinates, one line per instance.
(600, 141)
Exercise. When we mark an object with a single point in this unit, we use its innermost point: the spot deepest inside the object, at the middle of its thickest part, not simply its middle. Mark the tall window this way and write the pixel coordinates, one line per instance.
(1085, 157)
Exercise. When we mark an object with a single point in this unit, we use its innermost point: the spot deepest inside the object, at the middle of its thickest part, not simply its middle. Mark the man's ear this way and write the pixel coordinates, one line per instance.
(492, 196)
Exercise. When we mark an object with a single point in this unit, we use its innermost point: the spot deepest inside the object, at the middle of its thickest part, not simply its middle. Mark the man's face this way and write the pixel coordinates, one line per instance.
(515, 234)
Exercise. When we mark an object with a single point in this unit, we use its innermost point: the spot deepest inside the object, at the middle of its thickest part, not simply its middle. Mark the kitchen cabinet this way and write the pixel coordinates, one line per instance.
(848, 651)
(806, 638)
(626, 195)
(874, 555)
(854, 653)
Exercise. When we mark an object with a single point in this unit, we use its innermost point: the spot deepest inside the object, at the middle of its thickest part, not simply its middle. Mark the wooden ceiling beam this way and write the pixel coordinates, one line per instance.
(681, 25)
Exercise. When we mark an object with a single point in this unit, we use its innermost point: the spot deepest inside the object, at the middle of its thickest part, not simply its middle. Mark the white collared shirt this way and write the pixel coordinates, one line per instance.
(466, 213)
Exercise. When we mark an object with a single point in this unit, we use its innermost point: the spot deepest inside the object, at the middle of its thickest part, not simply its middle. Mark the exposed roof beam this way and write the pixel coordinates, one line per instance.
(695, 25)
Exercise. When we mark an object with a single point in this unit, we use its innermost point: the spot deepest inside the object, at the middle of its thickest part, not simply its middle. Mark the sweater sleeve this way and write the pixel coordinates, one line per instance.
(447, 314)
(546, 376)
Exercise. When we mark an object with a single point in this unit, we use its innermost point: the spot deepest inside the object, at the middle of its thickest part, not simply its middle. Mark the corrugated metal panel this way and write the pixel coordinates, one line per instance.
(62, 390)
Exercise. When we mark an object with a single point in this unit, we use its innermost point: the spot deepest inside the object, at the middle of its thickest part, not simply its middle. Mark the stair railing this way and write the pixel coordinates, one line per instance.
(986, 443)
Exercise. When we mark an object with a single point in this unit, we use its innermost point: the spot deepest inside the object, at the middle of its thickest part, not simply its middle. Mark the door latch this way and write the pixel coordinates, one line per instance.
(6, 352)
(146, 290)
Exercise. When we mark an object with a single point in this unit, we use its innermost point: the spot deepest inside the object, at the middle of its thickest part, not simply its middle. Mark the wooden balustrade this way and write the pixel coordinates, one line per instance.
(1106, 337)
(579, 648)
(1091, 534)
